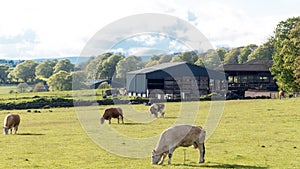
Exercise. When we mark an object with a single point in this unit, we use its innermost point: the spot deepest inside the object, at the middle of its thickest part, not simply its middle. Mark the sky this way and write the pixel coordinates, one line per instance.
(61, 28)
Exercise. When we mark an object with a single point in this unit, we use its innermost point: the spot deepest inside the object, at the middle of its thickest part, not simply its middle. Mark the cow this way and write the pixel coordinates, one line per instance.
(11, 121)
(179, 136)
(112, 113)
(281, 94)
(156, 108)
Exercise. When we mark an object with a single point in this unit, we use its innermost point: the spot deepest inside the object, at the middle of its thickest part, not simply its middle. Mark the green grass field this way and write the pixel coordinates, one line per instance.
(251, 134)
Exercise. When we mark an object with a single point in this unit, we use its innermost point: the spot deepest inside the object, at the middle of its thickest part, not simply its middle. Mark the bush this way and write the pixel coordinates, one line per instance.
(104, 85)
(23, 87)
(39, 87)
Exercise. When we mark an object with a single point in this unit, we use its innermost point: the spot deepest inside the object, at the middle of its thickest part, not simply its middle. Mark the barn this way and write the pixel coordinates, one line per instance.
(175, 80)
(253, 75)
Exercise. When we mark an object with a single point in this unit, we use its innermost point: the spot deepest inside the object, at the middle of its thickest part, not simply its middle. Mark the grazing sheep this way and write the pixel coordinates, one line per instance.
(179, 136)
(11, 121)
(112, 113)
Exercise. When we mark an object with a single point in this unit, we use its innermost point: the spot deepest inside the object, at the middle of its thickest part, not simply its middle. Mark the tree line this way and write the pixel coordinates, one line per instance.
(283, 48)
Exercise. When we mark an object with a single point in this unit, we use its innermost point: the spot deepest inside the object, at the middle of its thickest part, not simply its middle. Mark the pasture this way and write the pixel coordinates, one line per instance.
(251, 134)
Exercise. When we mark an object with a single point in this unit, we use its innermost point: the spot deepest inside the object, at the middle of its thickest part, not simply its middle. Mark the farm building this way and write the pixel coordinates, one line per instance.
(175, 80)
(252, 75)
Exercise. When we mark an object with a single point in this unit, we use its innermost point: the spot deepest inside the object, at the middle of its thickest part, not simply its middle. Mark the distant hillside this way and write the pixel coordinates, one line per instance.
(75, 60)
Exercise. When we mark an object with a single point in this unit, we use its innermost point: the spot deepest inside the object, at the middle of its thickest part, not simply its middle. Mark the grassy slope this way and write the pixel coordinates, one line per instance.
(251, 134)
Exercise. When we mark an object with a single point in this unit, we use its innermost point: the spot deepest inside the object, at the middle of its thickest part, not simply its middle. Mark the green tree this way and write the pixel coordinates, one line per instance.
(25, 71)
(176, 58)
(151, 63)
(189, 57)
(231, 56)
(286, 44)
(109, 66)
(64, 65)
(94, 66)
(128, 64)
(23, 87)
(221, 53)
(61, 80)
(263, 52)
(78, 80)
(212, 59)
(39, 87)
(45, 69)
(297, 71)
(4, 71)
(245, 52)
(165, 58)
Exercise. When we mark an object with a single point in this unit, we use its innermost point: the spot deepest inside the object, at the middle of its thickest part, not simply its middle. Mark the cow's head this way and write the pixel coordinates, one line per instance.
(5, 130)
(155, 157)
(101, 120)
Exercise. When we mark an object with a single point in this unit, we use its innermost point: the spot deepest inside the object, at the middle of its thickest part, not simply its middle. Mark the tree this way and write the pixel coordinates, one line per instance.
(109, 66)
(61, 80)
(45, 69)
(189, 57)
(286, 42)
(231, 57)
(297, 71)
(94, 66)
(39, 87)
(23, 87)
(165, 58)
(263, 52)
(221, 53)
(151, 63)
(25, 71)
(245, 52)
(127, 64)
(212, 59)
(4, 70)
(64, 65)
(78, 80)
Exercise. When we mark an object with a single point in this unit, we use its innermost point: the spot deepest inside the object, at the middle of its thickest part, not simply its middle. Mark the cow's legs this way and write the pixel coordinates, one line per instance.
(170, 154)
(162, 114)
(118, 120)
(122, 119)
(16, 129)
(109, 121)
(202, 152)
(10, 130)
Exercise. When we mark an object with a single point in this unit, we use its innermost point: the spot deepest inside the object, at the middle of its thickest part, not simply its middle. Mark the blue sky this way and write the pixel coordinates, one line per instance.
(48, 29)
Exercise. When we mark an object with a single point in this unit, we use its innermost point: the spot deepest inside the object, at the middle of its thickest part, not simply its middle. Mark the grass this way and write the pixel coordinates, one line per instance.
(254, 134)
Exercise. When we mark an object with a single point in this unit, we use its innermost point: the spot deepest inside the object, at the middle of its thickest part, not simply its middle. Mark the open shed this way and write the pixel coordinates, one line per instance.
(175, 80)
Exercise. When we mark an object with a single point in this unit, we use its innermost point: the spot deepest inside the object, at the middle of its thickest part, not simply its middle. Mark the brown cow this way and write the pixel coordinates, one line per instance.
(11, 121)
(179, 136)
(281, 94)
(112, 113)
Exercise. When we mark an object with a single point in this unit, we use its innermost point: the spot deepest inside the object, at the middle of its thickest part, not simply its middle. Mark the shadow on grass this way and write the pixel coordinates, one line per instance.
(220, 165)
(170, 117)
(132, 124)
(30, 134)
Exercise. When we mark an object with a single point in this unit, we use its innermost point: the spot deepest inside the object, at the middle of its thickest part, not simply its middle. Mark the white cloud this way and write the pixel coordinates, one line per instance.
(145, 51)
(62, 28)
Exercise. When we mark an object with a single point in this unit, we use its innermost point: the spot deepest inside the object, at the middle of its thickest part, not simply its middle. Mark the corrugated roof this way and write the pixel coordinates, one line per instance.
(196, 70)
(253, 65)
(156, 67)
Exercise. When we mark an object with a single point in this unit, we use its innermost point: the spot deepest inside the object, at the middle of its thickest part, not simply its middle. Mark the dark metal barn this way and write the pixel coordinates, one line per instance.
(175, 80)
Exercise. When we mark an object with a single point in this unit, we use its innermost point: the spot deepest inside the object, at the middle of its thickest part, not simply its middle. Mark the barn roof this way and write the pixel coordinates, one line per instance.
(178, 69)
(253, 65)
(156, 67)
